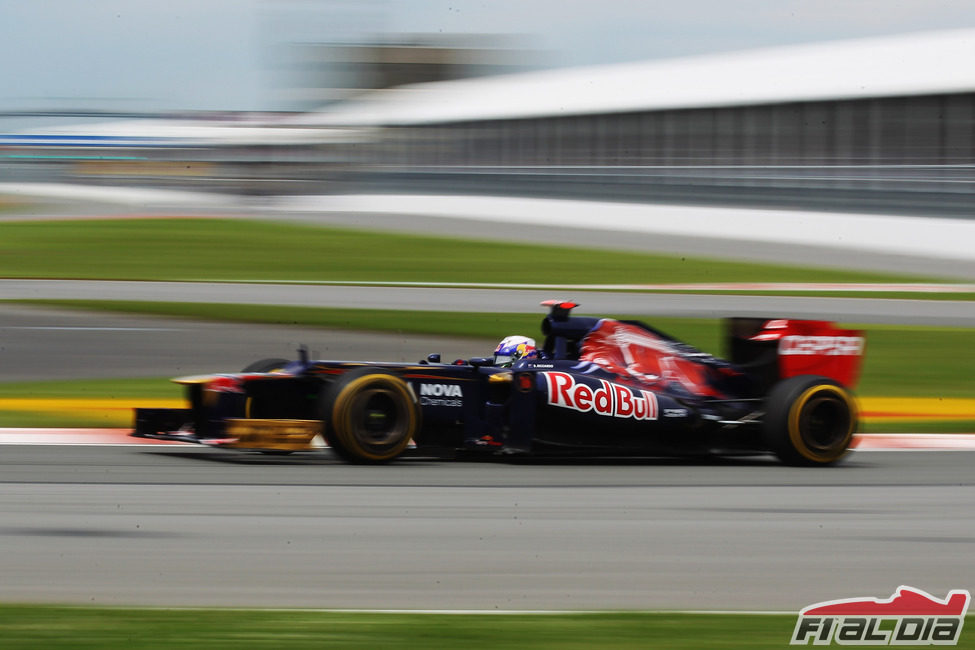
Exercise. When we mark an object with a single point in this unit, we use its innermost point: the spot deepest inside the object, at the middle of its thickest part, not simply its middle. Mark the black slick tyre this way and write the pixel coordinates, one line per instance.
(369, 415)
(809, 420)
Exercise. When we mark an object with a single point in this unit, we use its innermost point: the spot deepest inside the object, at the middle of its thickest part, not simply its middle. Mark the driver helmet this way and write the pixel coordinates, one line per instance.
(513, 348)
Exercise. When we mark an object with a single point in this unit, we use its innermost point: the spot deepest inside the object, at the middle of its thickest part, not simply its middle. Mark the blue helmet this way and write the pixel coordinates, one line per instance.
(513, 348)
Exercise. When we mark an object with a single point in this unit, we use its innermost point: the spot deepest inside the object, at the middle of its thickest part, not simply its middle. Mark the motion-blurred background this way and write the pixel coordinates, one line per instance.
(859, 106)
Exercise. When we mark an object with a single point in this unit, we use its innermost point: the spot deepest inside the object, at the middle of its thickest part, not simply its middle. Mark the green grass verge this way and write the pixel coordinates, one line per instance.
(141, 388)
(77, 628)
(909, 361)
(58, 420)
(235, 250)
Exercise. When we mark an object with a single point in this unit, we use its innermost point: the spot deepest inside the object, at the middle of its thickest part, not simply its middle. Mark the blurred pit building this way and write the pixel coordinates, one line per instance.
(881, 124)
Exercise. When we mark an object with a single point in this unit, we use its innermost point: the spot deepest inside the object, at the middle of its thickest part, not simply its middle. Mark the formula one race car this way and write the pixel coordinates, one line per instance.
(596, 387)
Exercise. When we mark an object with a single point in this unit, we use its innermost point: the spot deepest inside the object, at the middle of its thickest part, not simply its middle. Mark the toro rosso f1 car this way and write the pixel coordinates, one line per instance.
(596, 387)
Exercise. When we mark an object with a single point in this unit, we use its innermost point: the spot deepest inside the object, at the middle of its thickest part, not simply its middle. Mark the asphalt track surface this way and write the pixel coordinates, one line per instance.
(181, 526)
(864, 310)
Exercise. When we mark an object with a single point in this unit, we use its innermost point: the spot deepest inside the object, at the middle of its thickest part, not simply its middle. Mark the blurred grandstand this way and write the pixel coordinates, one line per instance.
(883, 124)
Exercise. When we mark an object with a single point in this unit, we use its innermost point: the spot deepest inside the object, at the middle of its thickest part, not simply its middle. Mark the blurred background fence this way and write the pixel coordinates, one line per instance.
(829, 127)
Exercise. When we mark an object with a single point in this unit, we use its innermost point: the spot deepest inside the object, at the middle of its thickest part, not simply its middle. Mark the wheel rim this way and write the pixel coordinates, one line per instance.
(378, 418)
(822, 422)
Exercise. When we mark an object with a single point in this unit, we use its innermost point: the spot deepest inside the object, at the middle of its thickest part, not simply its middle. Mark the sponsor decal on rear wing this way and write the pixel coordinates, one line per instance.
(822, 345)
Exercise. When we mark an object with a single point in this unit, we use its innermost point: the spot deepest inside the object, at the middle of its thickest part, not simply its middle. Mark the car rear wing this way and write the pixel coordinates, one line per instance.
(773, 349)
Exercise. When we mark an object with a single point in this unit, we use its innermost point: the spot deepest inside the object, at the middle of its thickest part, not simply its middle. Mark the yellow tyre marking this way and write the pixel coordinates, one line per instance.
(796, 438)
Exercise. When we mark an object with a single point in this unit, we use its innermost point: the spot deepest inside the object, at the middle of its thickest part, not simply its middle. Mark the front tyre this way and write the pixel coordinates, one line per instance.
(370, 416)
(809, 420)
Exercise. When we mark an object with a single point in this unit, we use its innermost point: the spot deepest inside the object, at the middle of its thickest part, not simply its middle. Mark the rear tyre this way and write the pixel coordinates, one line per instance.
(809, 420)
(369, 416)
(266, 365)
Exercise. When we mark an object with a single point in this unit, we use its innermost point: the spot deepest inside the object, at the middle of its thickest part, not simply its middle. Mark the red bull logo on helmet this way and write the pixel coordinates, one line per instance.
(609, 399)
